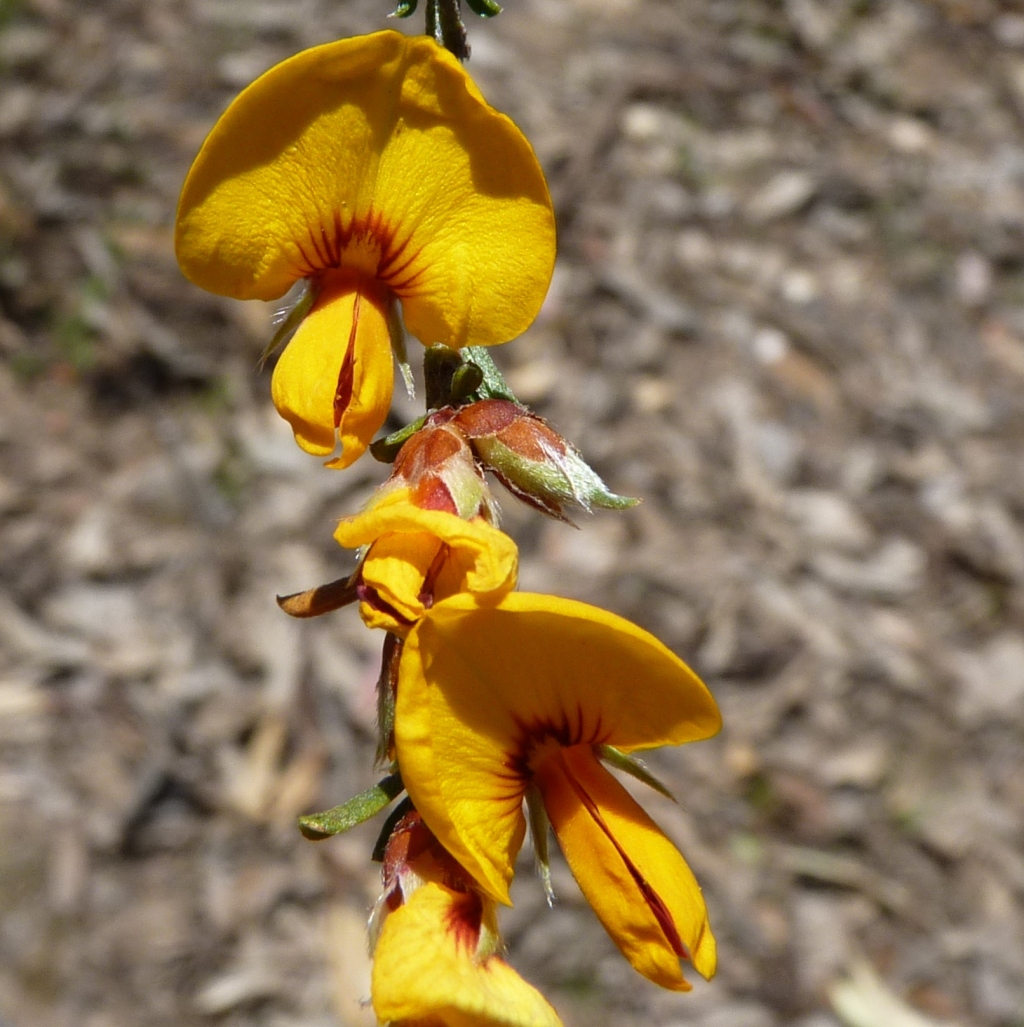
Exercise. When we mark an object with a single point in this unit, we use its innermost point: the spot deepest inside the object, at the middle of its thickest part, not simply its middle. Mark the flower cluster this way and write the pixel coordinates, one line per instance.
(371, 175)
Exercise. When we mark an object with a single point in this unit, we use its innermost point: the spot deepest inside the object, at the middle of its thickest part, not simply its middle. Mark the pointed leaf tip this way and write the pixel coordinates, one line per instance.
(318, 826)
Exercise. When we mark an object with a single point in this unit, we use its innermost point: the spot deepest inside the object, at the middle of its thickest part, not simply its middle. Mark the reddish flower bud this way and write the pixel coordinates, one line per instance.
(438, 466)
(532, 460)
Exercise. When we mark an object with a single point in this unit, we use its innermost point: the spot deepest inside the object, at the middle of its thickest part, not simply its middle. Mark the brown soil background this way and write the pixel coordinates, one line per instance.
(788, 314)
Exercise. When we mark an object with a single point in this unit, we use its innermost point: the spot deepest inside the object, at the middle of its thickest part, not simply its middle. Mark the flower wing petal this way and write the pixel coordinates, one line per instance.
(635, 879)
(425, 969)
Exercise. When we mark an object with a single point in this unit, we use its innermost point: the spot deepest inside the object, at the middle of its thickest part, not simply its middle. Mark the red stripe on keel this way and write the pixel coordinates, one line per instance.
(346, 376)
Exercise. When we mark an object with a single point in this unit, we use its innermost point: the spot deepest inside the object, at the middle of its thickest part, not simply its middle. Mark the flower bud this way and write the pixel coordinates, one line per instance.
(532, 460)
(437, 465)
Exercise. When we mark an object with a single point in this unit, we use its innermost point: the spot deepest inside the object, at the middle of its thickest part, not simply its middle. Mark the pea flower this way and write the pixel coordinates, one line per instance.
(493, 702)
(372, 168)
(437, 953)
(417, 557)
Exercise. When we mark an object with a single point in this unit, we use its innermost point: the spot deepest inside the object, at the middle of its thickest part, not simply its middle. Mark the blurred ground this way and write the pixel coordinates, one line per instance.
(789, 314)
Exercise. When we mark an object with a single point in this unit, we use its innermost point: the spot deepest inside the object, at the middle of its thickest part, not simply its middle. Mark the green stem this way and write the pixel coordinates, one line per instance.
(444, 23)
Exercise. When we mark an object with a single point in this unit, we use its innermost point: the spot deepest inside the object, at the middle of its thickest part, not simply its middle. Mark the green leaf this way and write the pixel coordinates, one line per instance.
(632, 766)
(485, 8)
(318, 826)
(405, 9)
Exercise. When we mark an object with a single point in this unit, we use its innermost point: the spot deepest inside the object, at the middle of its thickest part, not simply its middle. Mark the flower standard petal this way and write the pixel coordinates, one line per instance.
(480, 689)
(425, 968)
(635, 879)
(379, 155)
(335, 378)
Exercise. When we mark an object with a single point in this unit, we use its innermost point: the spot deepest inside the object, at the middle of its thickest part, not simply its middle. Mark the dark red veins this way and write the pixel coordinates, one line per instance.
(325, 248)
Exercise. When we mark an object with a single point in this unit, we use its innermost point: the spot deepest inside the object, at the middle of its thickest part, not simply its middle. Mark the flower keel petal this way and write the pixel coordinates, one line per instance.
(335, 377)
(635, 879)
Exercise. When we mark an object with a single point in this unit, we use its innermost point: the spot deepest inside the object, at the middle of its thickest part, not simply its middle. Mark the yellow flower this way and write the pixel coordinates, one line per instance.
(492, 701)
(374, 168)
(437, 947)
(426, 968)
(418, 557)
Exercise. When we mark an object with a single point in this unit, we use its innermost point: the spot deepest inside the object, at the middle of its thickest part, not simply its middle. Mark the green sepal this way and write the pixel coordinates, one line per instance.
(465, 381)
(632, 766)
(564, 478)
(485, 8)
(318, 826)
(381, 845)
(291, 318)
(405, 9)
(493, 385)
(386, 449)
(540, 828)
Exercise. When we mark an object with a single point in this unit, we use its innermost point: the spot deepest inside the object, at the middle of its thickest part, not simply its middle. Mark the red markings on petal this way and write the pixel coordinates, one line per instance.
(346, 375)
(464, 919)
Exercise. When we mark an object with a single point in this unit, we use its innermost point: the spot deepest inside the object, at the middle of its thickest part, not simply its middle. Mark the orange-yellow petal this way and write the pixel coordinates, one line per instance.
(379, 155)
(425, 968)
(418, 557)
(334, 380)
(635, 879)
(480, 688)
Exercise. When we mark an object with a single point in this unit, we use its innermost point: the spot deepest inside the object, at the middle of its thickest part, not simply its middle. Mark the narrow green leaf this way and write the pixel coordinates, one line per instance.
(405, 9)
(485, 8)
(632, 766)
(318, 826)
